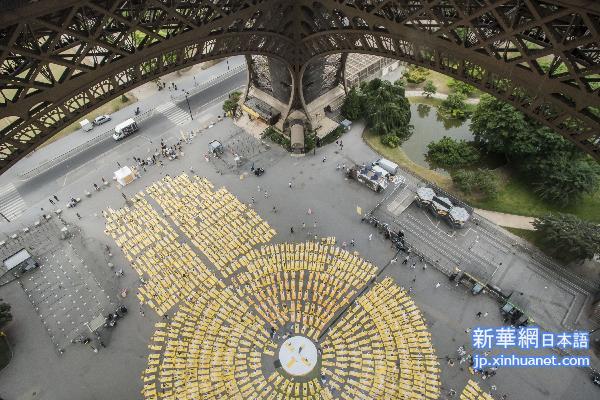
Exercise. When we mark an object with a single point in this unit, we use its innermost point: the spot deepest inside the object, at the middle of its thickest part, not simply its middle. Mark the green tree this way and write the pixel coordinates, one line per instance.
(461, 87)
(454, 106)
(497, 125)
(502, 129)
(481, 181)
(386, 109)
(230, 105)
(429, 89)
(451, 153)
(558, 171)
(568, 237)
(564, 180)
(5, 315)
(352, 107)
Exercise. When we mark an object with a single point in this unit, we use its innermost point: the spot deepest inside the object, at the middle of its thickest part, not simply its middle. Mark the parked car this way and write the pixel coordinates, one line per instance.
(99, 120)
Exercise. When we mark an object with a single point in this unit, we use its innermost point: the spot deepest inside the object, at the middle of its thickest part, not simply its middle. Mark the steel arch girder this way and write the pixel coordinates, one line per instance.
(25, 135)
(296, 31)
(580, 129)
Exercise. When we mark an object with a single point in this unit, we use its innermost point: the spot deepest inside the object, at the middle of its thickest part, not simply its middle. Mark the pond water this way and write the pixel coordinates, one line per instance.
(430, 127)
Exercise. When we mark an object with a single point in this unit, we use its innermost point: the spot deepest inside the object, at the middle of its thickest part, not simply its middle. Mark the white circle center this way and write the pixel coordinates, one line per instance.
(298, 356)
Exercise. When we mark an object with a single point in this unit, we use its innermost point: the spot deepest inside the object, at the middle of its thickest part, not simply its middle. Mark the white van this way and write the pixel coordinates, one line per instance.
(86, 125)
(387, 165)
(125, 129)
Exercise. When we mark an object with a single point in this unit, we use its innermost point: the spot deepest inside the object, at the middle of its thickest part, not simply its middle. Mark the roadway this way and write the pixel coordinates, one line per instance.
(152, 130)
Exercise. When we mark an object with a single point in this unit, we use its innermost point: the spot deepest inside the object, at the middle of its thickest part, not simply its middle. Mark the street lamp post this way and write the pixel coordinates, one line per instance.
(188, 104)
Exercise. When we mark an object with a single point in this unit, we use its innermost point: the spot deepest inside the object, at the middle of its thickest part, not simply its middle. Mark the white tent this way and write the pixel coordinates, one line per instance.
(124, 175)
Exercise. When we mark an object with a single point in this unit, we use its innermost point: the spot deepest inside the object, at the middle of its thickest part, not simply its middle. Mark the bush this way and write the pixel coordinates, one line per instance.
(461, 87)
(416, 74)
(454, 106)
(277, 137)
(390, 140)
(480, 181)
(451, 153)
(124, 99)
(332, 136)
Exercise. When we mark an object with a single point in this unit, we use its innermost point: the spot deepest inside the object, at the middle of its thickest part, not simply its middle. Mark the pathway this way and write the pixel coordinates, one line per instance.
(507, 220)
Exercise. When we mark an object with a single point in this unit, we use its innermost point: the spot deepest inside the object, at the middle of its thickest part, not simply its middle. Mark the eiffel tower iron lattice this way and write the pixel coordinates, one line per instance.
(60, 59)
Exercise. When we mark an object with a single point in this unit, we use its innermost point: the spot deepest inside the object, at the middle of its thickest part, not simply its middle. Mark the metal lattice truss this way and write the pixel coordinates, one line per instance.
(260, 73)
(271, 76)
(59, 59)
(322, 74)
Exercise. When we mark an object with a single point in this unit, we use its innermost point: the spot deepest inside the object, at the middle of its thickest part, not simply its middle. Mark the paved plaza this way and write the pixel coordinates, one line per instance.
(210, 262)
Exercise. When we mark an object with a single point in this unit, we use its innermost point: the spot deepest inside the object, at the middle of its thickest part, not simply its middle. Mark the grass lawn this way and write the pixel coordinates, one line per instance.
(439, 80)
(5, 354)
(112, 106)
(516, 197)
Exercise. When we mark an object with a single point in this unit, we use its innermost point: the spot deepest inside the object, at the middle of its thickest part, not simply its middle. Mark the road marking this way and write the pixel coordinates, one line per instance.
(173, 113)
(12, 204)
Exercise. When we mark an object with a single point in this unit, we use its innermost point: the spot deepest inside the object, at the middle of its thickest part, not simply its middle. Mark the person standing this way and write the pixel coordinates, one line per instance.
(56, 198)
(370, 236)
(292, 230)
(290, 184)
(51, 202)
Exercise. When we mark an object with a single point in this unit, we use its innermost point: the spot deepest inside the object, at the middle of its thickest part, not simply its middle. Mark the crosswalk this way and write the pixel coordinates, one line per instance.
(173, 113)
(12, 204)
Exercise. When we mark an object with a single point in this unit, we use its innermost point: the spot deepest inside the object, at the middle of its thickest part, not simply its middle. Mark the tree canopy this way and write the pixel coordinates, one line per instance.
(454, 105)
(558, 170)
(451, 153)
(481, 181)
(387, 110)
(384, 107)
(231, 104)
(461, 87)
(568, 237)
(429, 89)
(352, 107)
